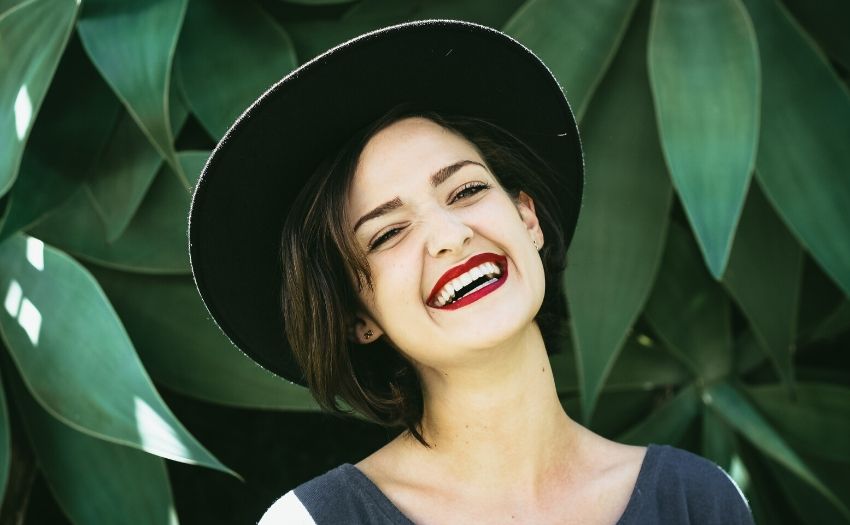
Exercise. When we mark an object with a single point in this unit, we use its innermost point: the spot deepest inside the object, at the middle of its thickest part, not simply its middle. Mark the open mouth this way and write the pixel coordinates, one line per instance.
(468, 282)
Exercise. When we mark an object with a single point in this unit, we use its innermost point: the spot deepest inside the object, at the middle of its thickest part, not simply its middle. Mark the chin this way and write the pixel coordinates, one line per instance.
(498, 329)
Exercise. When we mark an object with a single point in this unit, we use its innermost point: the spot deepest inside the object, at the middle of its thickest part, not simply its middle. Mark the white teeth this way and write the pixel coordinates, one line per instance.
(448, 292)
(482, 285)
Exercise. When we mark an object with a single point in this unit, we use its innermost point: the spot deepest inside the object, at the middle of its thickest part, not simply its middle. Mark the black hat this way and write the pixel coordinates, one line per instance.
(254, 174)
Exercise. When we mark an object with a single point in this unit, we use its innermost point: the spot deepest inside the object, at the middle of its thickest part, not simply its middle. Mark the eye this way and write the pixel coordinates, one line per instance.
(384, 237)
(468, 190)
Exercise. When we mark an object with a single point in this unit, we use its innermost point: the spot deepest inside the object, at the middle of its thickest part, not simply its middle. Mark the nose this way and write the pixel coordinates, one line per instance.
(447, 233)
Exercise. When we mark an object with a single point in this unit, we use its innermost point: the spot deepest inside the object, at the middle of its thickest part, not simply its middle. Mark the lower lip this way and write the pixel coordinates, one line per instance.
(478, 294)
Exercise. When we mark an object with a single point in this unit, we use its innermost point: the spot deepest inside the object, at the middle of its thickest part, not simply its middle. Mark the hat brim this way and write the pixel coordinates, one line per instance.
(257, 169)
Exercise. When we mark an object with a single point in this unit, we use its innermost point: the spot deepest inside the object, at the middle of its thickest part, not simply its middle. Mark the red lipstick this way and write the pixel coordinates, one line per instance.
(499, 260)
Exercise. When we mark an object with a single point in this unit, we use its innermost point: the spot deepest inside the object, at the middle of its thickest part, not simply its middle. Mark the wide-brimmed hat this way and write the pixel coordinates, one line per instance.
(254, 174)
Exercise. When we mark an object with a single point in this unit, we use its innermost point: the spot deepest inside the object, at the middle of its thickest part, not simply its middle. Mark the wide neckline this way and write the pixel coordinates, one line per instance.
(632, 507)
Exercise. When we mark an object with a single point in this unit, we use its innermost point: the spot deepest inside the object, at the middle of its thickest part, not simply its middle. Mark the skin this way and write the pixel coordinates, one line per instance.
(502, 447)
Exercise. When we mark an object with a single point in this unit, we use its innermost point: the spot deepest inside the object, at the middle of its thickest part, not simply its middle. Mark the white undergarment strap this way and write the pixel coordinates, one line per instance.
(288, 510)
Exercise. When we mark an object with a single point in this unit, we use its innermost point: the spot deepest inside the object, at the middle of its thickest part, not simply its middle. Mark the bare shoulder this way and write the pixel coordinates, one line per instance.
(401, 470)
(605, 458)
(383, 465)
(611, 472)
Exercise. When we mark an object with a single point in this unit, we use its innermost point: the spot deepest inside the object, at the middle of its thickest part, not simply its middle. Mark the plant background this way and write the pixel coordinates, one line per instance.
(708, 281)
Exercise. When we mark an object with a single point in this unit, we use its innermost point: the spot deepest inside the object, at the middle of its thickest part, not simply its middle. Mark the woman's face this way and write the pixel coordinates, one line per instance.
(454, 269)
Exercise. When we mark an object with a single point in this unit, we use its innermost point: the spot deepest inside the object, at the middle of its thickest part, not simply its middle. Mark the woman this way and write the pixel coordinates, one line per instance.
(388, 225)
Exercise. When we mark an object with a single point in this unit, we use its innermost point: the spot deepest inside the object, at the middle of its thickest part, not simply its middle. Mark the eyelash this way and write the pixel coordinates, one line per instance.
(477, 186)
(389, 234)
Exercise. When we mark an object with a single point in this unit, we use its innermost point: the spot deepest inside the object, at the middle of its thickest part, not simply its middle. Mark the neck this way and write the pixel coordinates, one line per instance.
(498, 423)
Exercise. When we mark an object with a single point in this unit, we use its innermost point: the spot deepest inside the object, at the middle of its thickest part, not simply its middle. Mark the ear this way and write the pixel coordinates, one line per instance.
(525, 206)
(364, 329)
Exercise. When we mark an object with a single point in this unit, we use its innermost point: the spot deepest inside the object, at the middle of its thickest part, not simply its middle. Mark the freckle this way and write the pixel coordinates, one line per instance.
(543, 369)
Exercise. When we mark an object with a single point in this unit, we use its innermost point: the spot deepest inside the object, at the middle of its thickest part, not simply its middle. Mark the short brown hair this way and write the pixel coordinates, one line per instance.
(322, 265)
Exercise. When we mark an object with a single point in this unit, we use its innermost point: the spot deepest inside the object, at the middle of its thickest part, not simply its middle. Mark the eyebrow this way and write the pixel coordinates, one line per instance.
(380, 210)
(436, 179)
(444, 173)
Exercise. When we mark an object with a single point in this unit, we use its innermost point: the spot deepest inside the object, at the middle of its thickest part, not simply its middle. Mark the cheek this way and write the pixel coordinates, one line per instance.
(396, 289)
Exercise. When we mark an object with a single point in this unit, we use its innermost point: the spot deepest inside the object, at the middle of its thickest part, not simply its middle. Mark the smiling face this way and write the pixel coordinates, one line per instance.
(454, 268)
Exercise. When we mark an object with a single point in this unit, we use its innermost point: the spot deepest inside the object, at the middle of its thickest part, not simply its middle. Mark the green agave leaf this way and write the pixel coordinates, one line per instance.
(5, 5)
(95, 481)
(34, 34)
(668, 423)
(184, 350)
(312, 36)
(748, 353)
(836, 323)
(834, 475)
(154, 241)
(5, 442)
(77, 116)
(826, 21)
(576, 39)
(718, 442)
(319, 2)
(76, 358)
(126, 169)
(819, 299)
(647, 365)
(816, 419)
(193, 163)
(316, 34)
(810, 506)
(132, 44)
(763, 277)
(689, 311)
(803, 158)
(617, 410)
(221, 76)
(705, 78)
(486, 12)
(620, 411)
(621, 232)
(734, 408)
(642, 365)
(763, 490)
(179, 113)
(121, 178)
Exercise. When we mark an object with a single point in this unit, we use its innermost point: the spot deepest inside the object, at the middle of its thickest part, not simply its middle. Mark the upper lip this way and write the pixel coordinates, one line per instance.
(461, 269)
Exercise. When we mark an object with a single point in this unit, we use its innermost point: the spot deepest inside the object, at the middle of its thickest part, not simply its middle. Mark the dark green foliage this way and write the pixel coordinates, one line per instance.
(709, 278)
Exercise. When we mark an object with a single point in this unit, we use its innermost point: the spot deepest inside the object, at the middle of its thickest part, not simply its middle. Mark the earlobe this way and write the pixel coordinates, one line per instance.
(525, 205)
(364, 330)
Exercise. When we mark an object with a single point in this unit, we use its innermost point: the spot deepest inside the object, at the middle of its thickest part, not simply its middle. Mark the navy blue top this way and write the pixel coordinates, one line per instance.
(673, 487)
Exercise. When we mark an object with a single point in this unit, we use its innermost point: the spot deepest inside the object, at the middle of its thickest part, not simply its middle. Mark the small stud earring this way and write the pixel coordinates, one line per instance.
(368, 334)
(535, 245)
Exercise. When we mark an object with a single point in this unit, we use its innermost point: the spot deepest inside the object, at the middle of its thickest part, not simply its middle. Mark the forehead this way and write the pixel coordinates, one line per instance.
(410, 147)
